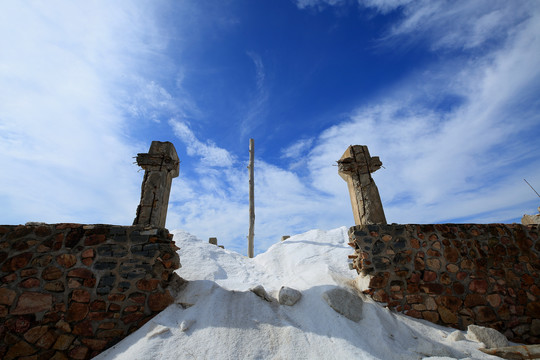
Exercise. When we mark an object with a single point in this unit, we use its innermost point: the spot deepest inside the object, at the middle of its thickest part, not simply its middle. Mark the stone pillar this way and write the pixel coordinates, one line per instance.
(355, 167)
(531, 219)
(161, 165)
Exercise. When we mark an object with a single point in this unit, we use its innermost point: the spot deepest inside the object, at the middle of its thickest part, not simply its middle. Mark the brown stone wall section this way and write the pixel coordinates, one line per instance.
(455, 274)
(72, 290)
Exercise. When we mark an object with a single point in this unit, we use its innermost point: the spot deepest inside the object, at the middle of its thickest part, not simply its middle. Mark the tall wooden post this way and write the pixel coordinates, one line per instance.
(251, 198)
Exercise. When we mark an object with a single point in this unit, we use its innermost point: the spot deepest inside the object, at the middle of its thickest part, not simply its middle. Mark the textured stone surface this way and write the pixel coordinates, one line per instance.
(355, 167)
(288, 296)
(32, 302)
(261, 292)
(345, 303)
(456, 336)
(71, 290)
(161, 165)
(490, 337)
(7, 296)
(454, 274)
(159, 300)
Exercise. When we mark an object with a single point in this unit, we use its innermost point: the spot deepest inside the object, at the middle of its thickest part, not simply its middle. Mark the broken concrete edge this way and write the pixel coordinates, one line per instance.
(355, 167)
(161, 165)
(530, 219)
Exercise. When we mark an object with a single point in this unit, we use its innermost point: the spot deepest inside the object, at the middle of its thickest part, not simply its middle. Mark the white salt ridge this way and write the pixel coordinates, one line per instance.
(217, 317)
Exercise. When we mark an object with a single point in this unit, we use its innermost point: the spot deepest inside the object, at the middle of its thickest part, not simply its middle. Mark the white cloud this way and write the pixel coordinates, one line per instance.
(151, 101)
(255, 109)
(457, 163)
(458, 24)
(302, 4)
(216, 204)
(384, 6)
(297, 149)
(210, 154)
(259, 68)
(461, 24)
(63, 136)
(442, 161)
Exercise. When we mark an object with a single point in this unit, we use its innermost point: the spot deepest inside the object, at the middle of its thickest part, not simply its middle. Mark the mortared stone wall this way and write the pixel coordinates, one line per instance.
(455, 274)
(73, 290)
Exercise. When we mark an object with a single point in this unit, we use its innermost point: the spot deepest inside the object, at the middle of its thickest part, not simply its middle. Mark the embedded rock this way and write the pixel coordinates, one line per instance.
(32, 302)
(456, 336)
(490, 337)
(344, 303)
(260, 292)
(288, 296)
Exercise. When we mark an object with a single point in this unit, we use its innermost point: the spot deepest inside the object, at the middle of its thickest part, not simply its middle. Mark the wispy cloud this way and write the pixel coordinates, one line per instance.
(451, 163)
(303, 4)
(449, 137)
(210, 154)
(298, 149)
(456, 24)
(459, 24)
(214, 200)
(255, 110)
(259, 69)
(62, 124)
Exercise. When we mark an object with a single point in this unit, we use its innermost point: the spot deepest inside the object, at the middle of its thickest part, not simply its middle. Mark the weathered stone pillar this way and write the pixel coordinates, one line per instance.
(161, 165)
(355, 167)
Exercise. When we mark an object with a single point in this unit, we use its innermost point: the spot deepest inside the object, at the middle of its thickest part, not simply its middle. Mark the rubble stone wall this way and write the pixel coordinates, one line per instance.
(72, 290)
(455, 274)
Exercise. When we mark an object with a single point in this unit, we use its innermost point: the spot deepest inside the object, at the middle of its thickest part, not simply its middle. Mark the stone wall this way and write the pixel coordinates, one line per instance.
(455, 274)
(72, 290)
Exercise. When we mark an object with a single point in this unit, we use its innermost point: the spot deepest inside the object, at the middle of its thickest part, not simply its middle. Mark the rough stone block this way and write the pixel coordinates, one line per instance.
(20, 349)
(288, 296)
(55, 286)
(261, 292)
(47, 340)
(7, 296)
(63, 342)
(345, 303)
(490, 337)
(159, 301)
(35, 333)
(77, 312)
(32, 302)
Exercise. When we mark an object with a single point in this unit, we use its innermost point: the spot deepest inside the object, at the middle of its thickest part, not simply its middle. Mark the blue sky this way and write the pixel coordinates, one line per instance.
(445, 92)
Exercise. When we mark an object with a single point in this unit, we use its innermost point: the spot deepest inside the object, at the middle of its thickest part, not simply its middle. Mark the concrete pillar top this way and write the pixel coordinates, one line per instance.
(357, 159)
(161, 157)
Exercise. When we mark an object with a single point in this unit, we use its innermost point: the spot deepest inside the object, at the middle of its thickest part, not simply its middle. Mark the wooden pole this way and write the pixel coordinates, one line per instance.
(251, 198)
